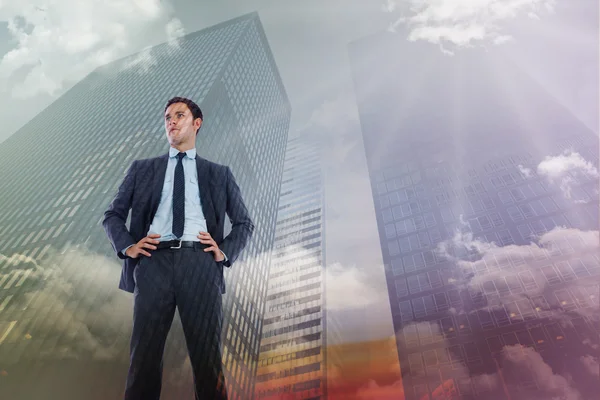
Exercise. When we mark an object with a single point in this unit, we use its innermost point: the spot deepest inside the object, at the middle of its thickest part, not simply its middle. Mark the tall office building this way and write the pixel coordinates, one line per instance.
(292, 361)
(62, 169)
(486, 197)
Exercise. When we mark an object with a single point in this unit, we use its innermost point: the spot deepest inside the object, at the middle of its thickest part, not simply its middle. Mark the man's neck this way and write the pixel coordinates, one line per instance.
(183, 147)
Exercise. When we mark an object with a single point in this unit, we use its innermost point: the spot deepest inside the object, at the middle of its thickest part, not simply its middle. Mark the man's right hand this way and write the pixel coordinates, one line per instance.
(146, 243)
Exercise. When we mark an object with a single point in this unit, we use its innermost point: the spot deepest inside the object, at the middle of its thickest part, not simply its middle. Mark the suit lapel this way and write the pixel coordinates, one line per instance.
(160, 168)
(205, 193)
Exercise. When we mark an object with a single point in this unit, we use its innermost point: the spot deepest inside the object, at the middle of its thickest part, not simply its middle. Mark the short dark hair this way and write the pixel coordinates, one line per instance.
(196, 112)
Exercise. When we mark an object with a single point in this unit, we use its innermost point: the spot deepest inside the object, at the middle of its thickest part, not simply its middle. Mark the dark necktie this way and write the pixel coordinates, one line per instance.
(179, 198)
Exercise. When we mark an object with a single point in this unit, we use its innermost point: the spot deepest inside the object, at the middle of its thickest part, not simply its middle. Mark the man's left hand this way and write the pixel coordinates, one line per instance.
(207, 239)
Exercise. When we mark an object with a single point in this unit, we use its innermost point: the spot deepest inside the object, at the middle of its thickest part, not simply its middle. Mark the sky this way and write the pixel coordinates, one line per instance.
(47, 46)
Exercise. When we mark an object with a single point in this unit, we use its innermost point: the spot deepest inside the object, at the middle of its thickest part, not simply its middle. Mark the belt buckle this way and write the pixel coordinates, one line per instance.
(177, 247)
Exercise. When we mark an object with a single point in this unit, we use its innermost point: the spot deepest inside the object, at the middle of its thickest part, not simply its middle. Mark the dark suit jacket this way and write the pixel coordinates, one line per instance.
(140, 191)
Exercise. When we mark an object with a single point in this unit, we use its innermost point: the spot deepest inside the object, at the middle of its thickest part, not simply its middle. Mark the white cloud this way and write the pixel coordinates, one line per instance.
(464, 22)
(591, 364)
(348, 288)
(174, 30)
(487, 252)
(521, 363)
(526, 172)
(64, 286)
(65, 41)
(566, 169)
(516, 363)
(389, 6)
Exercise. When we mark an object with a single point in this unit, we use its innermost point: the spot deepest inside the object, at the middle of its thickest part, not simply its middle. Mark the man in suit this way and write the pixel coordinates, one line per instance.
(174, 253)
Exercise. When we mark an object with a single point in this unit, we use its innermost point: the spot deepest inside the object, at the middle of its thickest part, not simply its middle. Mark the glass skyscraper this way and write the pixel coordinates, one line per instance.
(292, 361)
(486, 198)
(62, 169)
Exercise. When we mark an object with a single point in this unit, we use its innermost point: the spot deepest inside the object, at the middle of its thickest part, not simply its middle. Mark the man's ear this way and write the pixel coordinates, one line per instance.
(197, 121)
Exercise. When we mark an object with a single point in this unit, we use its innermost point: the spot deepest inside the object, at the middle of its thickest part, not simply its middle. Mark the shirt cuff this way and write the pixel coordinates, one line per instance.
(125, 249)
(224, 255)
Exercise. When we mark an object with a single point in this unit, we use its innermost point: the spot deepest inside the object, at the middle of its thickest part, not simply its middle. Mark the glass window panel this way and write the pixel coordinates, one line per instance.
(488, 203)
(416, 364)
(550, 274)
(431, 360)
(401, 287)
(515, 214)
(455, 299)
(496, 219)
(387, 215)
(423, 239)
(505, 197)
(433, 279)
(565, 271)
(514, 284)
(447, 214)
(537, 188)
(418, 222)
(429, 220)
(390, 231)
(435, 236)
(430, 306)
(441, 301)
(517, 194)
(409, 263)
(406, 311)
(410, 225)
(425, 335)
(528, 280)
(384, 201)
(528, 209)
(414, 242)
(525, 232)
(495, 344)
(485, 223)
(419, 261)
(397, 266)
(404, 245)
(424, 281)
(429, 258)
(471, 352)
(485, 319)
(393, 248)
(413, 284)
(419, 307)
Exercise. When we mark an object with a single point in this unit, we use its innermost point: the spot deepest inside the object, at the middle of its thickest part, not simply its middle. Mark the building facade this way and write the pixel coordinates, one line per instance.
(62, 169)
(292, 361)
(486, 197)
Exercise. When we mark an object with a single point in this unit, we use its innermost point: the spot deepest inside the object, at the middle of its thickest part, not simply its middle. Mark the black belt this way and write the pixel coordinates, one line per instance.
(179, 244)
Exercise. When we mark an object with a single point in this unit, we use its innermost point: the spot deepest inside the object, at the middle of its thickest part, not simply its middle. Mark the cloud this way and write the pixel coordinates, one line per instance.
(373, 391)
(68, 40)
(526, 172)
(516, 365)
(566, 169)
(389, 6)
(524, 363)
(349, 288)
(480, 261)
(591, 364)
(464, 22)
(72, 281)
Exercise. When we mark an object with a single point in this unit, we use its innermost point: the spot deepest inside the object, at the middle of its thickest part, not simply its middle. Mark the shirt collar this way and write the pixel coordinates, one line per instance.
(191, 153)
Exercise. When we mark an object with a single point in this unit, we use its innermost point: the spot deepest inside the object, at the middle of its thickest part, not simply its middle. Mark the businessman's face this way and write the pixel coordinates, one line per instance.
(180, 126)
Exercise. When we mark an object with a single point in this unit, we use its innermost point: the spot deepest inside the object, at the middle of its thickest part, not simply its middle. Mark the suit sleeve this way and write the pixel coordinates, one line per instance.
(242, 226)
(115, 217)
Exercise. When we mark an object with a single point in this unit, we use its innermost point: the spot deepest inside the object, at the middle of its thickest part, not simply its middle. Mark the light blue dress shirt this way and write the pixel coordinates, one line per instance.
(194, 216)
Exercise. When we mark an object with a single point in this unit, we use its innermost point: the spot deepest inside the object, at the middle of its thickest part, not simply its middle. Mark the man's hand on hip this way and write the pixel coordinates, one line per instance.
(146, 243)
(207, 239)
